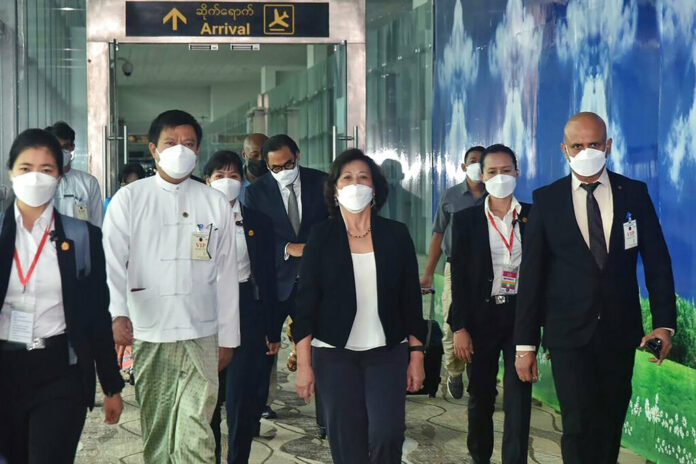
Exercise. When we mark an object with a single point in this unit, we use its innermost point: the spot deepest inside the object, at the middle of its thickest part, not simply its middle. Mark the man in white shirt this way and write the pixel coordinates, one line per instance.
(172, 272)
(78, 193)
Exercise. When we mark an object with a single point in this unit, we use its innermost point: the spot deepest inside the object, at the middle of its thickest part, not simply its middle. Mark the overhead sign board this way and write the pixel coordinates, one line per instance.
(227, 19)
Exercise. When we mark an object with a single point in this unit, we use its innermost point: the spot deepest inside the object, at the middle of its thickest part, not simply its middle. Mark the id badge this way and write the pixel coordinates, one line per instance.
(21, 327)
(508, 284)
(81, 210)
(199, 243)
(630, 229)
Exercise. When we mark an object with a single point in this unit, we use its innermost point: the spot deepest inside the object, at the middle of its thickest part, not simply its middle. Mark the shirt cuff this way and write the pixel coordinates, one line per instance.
(286, 256)
(526, 348)
(671, 331)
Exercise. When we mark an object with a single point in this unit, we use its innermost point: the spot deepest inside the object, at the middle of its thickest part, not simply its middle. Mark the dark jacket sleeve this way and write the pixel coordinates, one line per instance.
(530, 296)
(657, 265)
(266, 276)
(411, 298)
(309, 291)
(458, 310)
(101, 336)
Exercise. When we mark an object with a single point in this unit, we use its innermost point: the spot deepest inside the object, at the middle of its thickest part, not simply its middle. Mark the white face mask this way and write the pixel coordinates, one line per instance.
(229, 187)
(501, 186)
(177, 161)
(588, 162)
(34, 188)
(286, 176)
(473, 172)
(67, 157)
(355, 197)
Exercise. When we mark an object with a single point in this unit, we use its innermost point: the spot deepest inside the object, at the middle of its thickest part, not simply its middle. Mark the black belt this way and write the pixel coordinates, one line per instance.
(37, 344)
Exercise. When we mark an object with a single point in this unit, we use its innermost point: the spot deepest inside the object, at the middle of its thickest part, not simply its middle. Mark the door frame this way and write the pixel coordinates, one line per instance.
(106, 23)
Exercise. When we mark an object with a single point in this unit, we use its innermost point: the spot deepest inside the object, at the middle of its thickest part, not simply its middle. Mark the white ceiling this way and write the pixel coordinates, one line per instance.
(169, 64)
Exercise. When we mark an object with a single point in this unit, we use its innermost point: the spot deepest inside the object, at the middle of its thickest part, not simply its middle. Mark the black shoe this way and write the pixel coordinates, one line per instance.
(455, 387)
(269, 413)
(321, 432)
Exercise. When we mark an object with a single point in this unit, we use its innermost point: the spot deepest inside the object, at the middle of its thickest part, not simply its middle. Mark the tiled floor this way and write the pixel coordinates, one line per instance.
(436, 433)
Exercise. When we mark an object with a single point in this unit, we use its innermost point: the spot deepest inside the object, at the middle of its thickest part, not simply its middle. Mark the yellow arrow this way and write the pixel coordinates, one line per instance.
(175, 15)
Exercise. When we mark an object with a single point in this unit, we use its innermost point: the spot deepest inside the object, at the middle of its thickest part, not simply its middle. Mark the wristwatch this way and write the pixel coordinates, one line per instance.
(420, 348)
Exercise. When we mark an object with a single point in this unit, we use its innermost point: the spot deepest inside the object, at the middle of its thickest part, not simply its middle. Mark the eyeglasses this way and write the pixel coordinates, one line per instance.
(286, 167)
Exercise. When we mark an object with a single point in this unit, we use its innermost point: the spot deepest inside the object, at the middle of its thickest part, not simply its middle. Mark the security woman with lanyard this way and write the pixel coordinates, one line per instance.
(486, 255)
(54, 322)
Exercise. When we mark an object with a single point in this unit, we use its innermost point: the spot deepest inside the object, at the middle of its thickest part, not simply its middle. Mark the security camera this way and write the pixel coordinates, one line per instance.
(126, 67)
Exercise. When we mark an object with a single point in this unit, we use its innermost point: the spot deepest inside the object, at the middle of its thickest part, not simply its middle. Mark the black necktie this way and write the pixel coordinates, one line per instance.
(598, 245)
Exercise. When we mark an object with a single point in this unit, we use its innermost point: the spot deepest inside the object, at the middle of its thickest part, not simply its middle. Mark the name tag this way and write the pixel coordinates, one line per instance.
(21, 327)
(199, 243)
(630, 229)
(508, 285)
(81, 210)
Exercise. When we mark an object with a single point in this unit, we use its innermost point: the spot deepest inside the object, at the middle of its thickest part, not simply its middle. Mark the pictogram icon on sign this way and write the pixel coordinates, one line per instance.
(175, 16)
(279, 19)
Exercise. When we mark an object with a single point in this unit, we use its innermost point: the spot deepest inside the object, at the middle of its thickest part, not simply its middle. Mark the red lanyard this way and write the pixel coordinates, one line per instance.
(509, 244)
(24, 280)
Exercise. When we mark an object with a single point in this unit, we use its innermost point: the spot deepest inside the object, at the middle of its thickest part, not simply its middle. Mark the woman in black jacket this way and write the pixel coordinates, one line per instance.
(359, 322)
(54, 321)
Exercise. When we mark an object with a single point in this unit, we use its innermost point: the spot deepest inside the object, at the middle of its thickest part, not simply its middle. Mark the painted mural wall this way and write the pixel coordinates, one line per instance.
(513, 71)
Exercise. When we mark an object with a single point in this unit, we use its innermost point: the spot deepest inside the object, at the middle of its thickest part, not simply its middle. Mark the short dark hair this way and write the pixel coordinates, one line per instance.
(173, 118)
(474, 148)
(277, 142)
(62, 130)
(379, 182)
(499, 148)
(36, 138)
(131, 168)
(222, 159)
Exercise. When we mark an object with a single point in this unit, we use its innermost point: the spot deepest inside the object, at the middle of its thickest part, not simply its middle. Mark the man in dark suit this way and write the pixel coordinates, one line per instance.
(578, 280)
(292, 196)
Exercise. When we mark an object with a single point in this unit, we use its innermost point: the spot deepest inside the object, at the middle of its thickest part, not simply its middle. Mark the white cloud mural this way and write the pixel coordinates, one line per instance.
(594, 34)
(677, 22)
(514, 56)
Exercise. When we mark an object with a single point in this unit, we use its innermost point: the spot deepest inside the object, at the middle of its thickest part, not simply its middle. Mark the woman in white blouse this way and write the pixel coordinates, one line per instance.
(54, 323)
(359, 322)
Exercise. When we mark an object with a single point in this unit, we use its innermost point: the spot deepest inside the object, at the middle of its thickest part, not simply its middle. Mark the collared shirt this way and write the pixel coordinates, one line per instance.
(242, 194)
(454, 199)
(152, 276)
(243, 261)
(285, 193)
(79, 196)
(44, 292)
(500, 255)
(605, 200)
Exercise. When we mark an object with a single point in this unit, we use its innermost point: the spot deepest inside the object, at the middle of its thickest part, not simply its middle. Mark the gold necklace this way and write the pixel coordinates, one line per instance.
(369, 229)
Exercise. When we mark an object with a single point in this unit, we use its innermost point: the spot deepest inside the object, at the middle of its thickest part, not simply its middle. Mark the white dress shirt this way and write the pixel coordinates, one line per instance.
(79, 196)
(243, 261)
(152, 276)
(44, 292)
(500, 255)
(367, 332)
(285, 194)
(605, 200)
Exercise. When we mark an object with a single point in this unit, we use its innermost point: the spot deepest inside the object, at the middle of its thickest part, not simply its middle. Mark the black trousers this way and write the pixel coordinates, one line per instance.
(244, 383)
(364, 402)
(593, 384)
(42, 408)
(517, 399)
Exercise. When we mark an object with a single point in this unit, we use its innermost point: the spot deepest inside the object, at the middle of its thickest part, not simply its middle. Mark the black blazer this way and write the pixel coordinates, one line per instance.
(258, 232)
(85, 302)
(563, 289)
(326, 302)
(264, 196)
(472, 268)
